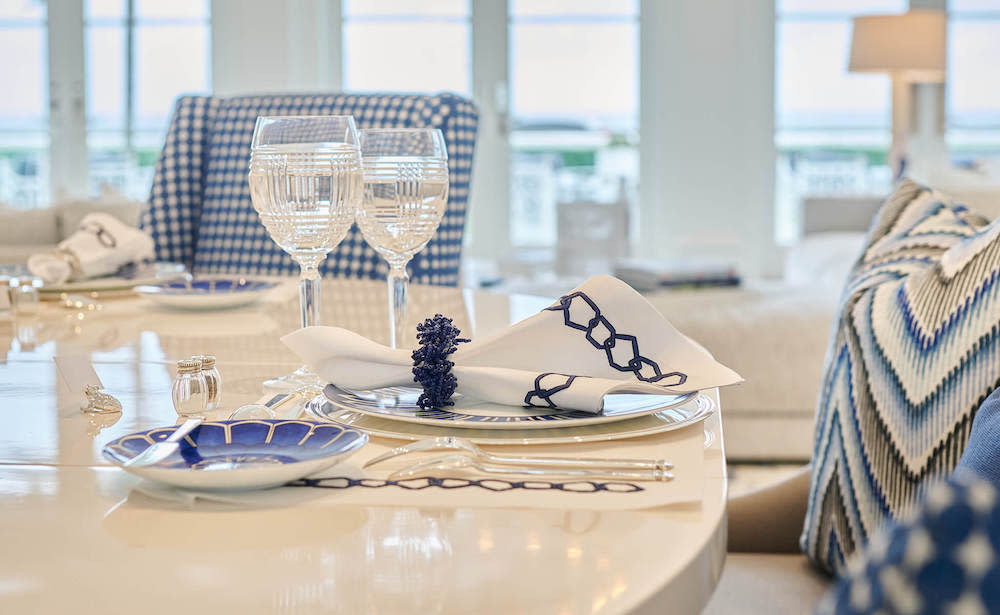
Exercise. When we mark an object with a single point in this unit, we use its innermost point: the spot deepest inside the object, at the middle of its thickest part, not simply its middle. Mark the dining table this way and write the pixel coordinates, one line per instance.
(77, 536)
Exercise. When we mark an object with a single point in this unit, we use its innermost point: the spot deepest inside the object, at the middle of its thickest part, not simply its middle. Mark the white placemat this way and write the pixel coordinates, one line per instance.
(347, 483)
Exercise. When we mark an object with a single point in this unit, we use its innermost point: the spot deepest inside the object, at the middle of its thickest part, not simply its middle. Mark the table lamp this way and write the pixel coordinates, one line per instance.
(909, 47)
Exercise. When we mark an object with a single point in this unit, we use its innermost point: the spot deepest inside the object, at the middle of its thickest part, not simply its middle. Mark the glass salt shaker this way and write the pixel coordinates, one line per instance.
(25, 298)
(190, 390)
(213, 380)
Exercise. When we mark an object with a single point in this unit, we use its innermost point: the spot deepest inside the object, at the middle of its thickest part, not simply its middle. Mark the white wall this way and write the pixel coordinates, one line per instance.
(707, 157)
(263, 46)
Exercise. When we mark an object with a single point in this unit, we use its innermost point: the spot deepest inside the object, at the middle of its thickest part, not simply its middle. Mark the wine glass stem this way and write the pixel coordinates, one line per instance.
(397, 280)
(309, 295)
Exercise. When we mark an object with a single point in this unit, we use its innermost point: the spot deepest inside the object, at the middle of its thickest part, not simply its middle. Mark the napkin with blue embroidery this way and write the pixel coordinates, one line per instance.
(600, 338)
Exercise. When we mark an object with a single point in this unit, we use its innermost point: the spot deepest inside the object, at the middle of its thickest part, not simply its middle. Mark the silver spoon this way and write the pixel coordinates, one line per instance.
(270, 409)
(159, 451)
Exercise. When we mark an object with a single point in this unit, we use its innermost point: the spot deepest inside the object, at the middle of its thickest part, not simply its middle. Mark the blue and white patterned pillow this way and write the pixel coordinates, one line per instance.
(915, 349)
(200, 212)
(944, 560)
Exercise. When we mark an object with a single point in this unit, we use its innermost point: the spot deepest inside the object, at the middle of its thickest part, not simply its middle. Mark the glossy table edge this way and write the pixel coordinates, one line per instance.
(690, 589)
(686, 587)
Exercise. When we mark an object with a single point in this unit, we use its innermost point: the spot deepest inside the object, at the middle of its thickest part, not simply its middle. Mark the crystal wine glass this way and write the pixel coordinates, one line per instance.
(405, 196)
(305, 182)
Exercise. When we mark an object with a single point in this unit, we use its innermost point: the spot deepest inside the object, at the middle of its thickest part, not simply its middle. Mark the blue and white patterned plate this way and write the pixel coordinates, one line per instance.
(678, 417)
(207, 292)
(400, 403)
(232, 455)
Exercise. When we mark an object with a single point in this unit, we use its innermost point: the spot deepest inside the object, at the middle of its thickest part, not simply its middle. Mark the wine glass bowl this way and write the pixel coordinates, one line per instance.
(305, 184)
(405, 195)
(304, 214)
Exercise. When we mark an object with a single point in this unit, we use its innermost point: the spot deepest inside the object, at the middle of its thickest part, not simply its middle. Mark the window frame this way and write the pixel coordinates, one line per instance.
(131, 129)
(967, 139)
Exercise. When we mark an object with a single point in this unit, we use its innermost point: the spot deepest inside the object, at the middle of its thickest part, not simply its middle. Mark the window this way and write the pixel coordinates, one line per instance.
(140, 56)
(405, 46)
(574, 109)
(973, 86)
(24, 132)
(574, 105)
(832, 127)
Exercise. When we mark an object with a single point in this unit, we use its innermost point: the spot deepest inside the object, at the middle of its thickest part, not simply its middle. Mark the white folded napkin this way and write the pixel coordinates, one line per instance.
(601, 338)
(101, 246)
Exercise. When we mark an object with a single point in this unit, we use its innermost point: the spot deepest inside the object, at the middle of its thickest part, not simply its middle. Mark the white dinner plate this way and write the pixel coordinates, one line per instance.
(688, 413)
(207, 292)
(127, 278)
(400, 403)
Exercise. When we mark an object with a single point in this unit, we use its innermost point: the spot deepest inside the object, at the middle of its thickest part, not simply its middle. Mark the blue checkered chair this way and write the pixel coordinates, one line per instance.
(200, 213)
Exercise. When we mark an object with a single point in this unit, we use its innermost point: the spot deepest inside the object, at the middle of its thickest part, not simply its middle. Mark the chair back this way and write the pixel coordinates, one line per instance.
(200, 212)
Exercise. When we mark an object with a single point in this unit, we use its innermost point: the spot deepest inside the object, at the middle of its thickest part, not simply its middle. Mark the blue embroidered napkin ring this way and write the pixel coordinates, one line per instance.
(438, 338)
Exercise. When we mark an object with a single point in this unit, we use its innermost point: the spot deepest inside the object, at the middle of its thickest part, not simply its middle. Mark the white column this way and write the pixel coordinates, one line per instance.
(315, 45)
(67, 100)
(926, 145)
(261, 46)
(488, 227)
(707, 156)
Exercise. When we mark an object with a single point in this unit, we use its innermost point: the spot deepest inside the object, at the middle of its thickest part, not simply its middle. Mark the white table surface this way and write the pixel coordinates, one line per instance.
(75, 540)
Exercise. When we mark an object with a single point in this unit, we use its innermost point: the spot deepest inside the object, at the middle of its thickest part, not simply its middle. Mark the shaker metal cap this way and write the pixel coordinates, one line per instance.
(207, 361)
(188, 366)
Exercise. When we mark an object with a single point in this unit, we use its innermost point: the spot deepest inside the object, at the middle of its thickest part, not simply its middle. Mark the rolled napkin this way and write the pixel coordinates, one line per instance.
(601, 338)
(101, 246)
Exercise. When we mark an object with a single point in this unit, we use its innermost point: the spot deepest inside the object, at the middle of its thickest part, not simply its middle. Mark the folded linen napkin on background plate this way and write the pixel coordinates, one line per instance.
(601, 338)
(101, 246)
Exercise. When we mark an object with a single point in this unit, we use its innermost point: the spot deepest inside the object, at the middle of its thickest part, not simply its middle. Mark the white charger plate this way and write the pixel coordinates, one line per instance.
(130, 277)
(207, 292)
(688, 413)
(400, 403)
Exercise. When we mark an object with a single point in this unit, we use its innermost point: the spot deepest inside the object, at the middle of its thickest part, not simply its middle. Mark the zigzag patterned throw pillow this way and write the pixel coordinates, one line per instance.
(915, 349)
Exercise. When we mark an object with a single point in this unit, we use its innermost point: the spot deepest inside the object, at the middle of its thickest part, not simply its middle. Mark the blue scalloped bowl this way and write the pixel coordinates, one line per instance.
(238, 455)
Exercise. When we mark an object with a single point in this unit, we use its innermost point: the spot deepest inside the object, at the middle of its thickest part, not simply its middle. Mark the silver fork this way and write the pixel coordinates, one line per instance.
(164, 448)
(453, 443)
(457, 462)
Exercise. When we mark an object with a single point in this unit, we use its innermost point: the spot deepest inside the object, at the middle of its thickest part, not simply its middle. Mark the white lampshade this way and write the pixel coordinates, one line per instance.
(910, 46)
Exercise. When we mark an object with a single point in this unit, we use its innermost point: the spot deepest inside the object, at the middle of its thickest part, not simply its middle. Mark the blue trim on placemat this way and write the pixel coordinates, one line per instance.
(489, 484)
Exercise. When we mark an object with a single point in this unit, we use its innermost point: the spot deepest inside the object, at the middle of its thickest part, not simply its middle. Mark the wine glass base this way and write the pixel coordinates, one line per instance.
(302, 377)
